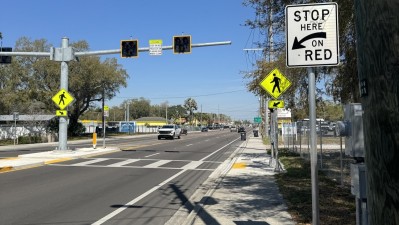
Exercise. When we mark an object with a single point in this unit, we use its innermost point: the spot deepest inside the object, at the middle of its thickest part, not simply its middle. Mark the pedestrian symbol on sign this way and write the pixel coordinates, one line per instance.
(62, 96)
(276, 82)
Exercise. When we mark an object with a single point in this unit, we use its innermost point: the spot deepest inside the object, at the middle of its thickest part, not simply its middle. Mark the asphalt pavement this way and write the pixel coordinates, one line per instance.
(241, 191)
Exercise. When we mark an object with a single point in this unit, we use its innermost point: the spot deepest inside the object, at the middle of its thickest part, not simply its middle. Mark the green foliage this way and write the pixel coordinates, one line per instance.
(340, 83)
(32, 79)
(337, 205)
(190, 105)
(76, 129)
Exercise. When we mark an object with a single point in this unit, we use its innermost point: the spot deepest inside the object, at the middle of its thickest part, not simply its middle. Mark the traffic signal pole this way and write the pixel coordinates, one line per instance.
(63, 124)
(66, 54)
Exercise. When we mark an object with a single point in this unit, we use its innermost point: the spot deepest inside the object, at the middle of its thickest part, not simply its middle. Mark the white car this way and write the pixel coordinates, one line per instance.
(169, 131)
(233, 129)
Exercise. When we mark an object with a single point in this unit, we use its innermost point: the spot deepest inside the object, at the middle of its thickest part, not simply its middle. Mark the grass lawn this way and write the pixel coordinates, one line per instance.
(336, 203)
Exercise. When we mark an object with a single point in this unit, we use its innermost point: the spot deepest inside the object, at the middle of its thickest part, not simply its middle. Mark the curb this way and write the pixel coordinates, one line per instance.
(48, 160)
(214, 179)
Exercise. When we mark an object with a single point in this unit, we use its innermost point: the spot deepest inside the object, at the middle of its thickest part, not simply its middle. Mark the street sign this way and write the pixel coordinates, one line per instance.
(62, 99)
(273, 104)
(61, 113)
(155, 47)
(257, 119)
(275, 83)
(312, 35)
(16, 116)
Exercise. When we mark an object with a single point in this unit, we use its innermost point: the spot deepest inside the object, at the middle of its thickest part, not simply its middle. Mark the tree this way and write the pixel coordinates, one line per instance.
(30, 79)
(190, 105)
(138, 107)
(338, 81)
(176, 112)
(377, 26)
(90, 80)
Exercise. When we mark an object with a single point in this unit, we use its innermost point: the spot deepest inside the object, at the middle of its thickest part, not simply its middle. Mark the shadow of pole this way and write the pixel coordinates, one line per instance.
(201, 212)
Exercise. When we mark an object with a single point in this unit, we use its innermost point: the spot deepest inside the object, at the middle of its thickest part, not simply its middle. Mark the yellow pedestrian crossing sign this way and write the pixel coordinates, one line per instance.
(275, 83)
(62, 99)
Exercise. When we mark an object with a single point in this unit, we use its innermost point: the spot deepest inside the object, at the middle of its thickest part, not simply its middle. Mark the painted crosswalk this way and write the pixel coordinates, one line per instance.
(142, 163)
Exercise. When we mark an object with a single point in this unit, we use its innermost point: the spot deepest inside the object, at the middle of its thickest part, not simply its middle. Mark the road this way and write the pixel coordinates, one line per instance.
(145, 184)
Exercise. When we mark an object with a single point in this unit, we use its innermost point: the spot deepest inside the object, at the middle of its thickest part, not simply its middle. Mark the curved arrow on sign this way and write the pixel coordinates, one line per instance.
(298, 44)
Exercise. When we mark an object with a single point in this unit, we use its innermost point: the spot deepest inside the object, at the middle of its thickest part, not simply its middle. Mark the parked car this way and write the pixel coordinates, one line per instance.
(169, 131)
(204, 129)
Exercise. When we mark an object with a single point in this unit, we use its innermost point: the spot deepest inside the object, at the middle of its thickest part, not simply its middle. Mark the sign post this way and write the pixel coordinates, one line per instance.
(275, 83)
(312, 40)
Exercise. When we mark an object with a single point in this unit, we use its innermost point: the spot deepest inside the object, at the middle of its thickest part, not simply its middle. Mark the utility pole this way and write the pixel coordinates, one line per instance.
(65, 54)
(377, 28)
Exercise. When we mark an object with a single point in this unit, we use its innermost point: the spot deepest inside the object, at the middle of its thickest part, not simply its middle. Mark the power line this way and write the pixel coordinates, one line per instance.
(190, 96)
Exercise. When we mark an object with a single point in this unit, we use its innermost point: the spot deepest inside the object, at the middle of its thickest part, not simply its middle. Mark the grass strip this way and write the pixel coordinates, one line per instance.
(336, 203)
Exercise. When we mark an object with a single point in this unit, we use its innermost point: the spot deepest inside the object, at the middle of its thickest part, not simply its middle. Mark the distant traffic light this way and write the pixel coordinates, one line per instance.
(5, 59)
(182, 44)
(129, 48)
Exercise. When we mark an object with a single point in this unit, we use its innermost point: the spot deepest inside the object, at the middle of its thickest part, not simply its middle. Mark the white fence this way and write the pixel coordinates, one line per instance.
(11, 132)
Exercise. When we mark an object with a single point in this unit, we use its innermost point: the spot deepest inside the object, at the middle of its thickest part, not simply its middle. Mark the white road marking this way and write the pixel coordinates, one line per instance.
(192, 165)
(124, 162)
(89, 162)
(157, 164)
(151, 155)
(217, 150)
(145, 194)
(189, 145)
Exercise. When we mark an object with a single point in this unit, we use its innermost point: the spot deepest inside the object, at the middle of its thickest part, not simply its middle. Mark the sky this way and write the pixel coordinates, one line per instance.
(212, 76)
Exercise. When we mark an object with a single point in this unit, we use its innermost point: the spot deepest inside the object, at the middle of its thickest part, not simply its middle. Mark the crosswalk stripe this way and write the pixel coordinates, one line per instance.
(124, 162)
(157, 164)
(192, 165)
(89, 162)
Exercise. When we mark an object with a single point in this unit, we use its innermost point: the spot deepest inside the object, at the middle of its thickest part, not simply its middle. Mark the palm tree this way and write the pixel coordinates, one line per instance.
(190, 105)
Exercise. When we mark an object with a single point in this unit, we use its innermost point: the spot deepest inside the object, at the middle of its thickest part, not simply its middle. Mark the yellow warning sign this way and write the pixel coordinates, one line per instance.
(61, 113)
(273, 104)
(275, 83)
(62, 99)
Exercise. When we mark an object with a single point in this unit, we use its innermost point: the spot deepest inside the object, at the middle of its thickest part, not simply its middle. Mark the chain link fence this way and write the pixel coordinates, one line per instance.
(330, 149)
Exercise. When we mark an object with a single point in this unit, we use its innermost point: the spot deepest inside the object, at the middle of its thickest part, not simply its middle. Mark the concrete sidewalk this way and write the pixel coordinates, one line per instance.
(41, 158)
(245, 192)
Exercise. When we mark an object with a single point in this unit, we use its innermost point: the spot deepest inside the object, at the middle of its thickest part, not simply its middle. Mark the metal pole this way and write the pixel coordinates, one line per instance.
(103, 105)
(15, 128)
(277, 165)
(313, 147)
(321, 145)
(272, 138)
(63, 125)
(340, 159)
(128, 117)
(266, 117)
